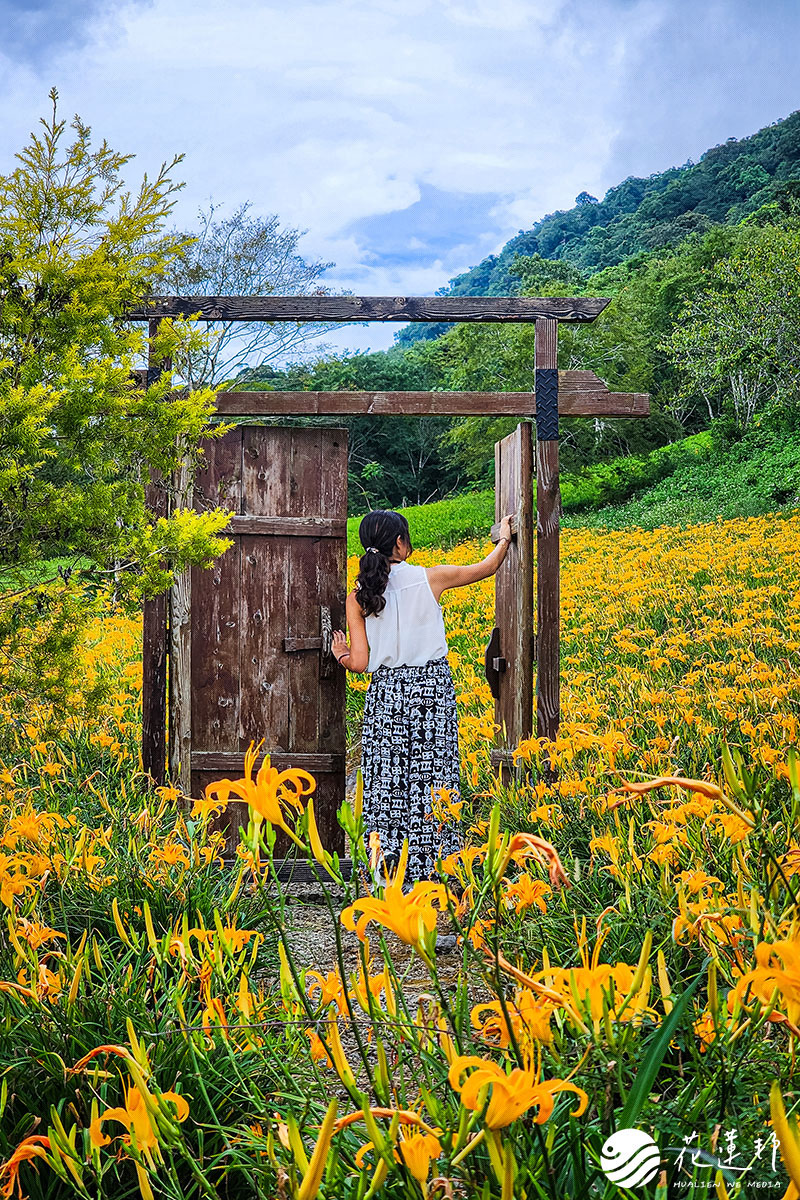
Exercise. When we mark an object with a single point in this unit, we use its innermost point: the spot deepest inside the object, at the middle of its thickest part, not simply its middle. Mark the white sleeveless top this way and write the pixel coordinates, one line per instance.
(410, 630)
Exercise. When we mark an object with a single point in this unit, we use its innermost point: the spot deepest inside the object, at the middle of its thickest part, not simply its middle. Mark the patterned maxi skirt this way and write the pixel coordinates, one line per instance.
(409, 746)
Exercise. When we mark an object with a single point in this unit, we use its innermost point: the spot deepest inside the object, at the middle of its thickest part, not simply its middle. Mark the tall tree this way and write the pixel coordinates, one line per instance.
(244, 255)
(78, 435)
(738, 343)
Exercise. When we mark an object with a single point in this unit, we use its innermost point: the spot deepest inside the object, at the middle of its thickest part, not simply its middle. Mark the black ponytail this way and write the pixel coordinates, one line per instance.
(379, 531)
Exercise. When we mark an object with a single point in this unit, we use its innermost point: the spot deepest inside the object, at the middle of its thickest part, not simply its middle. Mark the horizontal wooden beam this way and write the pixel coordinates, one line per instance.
(230, 760)
(577, 397)
(298, 870)
(294, 644)
(316, 527)
(505, 758)
(335, 309)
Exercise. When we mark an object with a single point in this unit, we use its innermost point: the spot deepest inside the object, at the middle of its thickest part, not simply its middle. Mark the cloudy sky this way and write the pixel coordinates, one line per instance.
(409, 139)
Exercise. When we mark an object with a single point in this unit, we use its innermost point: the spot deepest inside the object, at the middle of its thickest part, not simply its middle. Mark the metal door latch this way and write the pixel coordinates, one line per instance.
(494, 663)
(322, 642)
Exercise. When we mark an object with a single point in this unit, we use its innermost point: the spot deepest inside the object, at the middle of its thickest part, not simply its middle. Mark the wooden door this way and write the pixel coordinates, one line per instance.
(510, 653)
(252, 658)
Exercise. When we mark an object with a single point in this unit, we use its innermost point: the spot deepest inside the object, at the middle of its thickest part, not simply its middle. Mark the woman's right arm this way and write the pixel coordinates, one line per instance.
(449, 576)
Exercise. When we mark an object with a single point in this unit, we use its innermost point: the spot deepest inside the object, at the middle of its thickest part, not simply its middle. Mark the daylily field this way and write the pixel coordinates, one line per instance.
(629, 940)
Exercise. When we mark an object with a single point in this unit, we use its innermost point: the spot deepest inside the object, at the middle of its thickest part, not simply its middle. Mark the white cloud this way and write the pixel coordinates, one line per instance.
(332, 109)
(329, 112)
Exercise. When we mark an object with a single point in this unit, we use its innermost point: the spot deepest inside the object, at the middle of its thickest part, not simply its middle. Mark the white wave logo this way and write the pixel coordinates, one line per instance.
(630, 1158)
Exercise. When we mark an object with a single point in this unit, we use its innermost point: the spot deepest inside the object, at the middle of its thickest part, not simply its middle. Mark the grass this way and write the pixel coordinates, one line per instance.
(442, 523)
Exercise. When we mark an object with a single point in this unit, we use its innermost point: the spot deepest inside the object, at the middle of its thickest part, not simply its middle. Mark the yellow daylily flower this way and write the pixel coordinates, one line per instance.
(411, 916)
(268, 792)
(513, 1093)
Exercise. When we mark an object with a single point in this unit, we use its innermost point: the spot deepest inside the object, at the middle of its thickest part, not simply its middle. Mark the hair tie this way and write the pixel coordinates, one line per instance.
(373, 550)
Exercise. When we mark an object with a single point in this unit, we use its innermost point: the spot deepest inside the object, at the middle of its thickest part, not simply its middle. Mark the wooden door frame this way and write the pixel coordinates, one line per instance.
(567, 393)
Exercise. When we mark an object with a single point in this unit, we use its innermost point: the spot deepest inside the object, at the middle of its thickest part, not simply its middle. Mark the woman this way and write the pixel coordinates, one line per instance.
(410, 733)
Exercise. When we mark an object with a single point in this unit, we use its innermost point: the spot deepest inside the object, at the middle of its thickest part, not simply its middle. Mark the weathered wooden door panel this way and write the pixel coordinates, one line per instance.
(214, 634)
(509, 657)
(261, 666)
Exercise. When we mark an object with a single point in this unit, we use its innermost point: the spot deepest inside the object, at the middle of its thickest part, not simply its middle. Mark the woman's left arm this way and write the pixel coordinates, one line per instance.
(356, 656)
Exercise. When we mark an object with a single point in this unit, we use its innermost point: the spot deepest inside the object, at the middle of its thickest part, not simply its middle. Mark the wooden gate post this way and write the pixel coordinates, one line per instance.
(180, 651)
(154, 625)
(548, 507)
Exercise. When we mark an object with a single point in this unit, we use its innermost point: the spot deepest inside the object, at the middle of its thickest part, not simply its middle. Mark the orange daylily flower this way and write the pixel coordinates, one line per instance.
(691, 785)
(119, 1051)
(335, 1057)
(410, 915)
(444, 807)
(417, 1150)
(330, 988)
(529, 1018)
(136, 1118)
(268, 792)
(404, 1115)
(543, 851)
(32, 1147)
(512, 1094)
(529, 981)
(207, 807)
(709, 790)
(36, 934)
(527, 892)
(778, 967)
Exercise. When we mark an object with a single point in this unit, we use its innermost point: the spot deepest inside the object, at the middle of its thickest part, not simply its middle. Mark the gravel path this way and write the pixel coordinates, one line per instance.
(310, 931)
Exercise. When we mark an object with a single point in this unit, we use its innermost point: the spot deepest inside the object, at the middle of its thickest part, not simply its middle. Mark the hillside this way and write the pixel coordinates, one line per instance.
(729, 182)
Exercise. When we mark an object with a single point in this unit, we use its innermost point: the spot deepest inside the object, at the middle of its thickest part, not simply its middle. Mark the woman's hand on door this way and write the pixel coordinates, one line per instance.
(339, 646)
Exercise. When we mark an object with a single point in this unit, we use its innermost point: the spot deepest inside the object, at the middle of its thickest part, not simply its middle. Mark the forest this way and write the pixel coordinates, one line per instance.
(698, 261)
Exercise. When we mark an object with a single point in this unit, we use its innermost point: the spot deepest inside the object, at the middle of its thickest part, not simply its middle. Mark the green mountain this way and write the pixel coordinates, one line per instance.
(729, 182)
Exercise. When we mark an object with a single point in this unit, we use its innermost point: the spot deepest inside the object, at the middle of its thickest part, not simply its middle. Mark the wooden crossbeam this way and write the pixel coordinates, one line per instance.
(334, 309)
(580, 394)
(309, 527)
(298, 870)
(232, 761)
